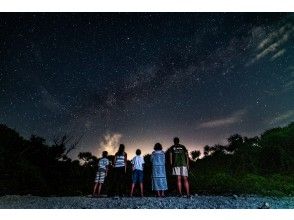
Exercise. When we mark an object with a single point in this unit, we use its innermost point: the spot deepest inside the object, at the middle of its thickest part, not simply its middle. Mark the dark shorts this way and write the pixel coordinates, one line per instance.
(137, 176)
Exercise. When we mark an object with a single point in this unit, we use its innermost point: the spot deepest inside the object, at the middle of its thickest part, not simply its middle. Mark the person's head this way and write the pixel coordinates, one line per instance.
(176, 140)
(104, 154)
(138, 152)
(157, 146)
(121, 149)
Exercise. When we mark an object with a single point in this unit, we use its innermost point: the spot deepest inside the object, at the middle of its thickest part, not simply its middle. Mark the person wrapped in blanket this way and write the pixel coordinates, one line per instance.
(103, 164)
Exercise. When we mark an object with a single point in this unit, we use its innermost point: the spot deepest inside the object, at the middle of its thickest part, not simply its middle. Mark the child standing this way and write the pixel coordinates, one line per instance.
(159, 183)
(137, 176)
(120, 170)
(101, 173)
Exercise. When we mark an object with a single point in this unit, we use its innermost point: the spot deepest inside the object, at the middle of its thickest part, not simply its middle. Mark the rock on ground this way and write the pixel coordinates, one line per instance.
(196, 202)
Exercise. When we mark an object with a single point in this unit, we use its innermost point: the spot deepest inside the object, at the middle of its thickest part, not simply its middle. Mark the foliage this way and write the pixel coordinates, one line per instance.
(259, 165)
(195, 154)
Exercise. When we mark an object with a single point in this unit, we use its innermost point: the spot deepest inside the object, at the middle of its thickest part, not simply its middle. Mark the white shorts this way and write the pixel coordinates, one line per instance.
(180, 171)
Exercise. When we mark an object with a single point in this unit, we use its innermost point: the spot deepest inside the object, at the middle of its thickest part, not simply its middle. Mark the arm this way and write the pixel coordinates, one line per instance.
(114, 160)
(107, 167)
(126, 160)
(143, 163)
(171, 158)
(132, 161)
(187, 158)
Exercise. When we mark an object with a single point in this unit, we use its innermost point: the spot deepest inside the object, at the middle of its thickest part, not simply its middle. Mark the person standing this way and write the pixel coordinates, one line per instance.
(179, 161)
(137, 176)
(101, 173)
(120, 170)
(159, 183)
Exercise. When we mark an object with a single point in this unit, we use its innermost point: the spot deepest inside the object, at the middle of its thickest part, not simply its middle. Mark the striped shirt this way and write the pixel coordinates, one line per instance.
(120, 160)
(103, 163)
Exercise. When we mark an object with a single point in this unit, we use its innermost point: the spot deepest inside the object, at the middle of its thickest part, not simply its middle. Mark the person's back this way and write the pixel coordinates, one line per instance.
(137, 176)
(159, 182)
(120, 169)
(120, 159)
(138, 162)
(158, 158)
(179, 160)
(101, 173)
(103, 163)
(179, 157)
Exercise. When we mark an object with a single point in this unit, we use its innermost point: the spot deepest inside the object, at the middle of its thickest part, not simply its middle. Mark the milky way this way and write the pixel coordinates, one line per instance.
(142, 78)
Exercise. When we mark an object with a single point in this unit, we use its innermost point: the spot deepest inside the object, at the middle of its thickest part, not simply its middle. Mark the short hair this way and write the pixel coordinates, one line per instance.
(157, 146)
(138, 152)
(104, 154)
(176, 140)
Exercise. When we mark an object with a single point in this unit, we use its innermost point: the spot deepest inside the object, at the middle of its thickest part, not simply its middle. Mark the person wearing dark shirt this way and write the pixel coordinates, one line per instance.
(179, 161)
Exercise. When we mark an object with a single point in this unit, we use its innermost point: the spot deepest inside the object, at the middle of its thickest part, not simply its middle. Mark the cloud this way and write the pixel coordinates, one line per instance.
(287, 84)
(110, 142)
(272, 44)
(229, 120)
(278, 54)
(174, 69)
(283, 118)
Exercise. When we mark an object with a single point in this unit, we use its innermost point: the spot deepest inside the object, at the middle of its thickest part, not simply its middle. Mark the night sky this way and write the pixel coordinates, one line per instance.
(142, 78)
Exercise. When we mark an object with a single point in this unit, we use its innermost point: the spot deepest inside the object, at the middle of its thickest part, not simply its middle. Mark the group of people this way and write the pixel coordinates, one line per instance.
(178, 159)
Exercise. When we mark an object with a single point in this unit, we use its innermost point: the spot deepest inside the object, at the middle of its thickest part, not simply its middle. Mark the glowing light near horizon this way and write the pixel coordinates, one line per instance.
(110, 143)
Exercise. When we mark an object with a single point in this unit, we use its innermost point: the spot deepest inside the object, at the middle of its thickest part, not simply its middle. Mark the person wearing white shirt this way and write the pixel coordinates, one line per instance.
(137, 176)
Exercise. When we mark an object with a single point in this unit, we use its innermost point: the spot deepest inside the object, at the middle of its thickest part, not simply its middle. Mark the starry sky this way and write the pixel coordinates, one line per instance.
(142, 78)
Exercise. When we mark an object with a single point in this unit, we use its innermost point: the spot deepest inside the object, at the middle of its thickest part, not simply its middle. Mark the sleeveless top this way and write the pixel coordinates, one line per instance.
(120, 160)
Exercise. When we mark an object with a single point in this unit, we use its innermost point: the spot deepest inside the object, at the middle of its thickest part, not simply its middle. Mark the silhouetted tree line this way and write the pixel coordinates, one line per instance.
(262, 165)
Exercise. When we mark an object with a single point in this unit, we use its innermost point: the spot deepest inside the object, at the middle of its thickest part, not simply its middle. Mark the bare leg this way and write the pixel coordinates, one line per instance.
(132, 189)
(141, 186)
(95, 188)
(179, 185)
(162, 193)
(99, 188)
(158, 193)
(186, 183)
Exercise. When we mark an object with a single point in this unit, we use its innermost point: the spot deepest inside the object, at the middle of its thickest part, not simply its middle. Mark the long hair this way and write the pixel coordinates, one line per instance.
(121, 149)
(104, 154)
